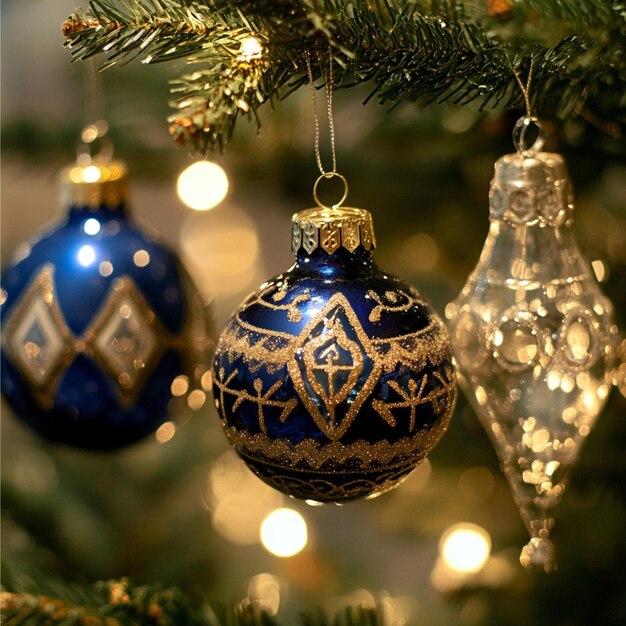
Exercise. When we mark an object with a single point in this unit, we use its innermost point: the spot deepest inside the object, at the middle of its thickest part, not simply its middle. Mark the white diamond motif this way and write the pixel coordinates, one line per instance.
(37, 338)
(125, 337)
(37, 342)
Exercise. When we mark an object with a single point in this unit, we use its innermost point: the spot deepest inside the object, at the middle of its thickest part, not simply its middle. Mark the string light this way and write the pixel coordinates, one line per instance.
(465, 548)
(284, 532)
(251, 48)
(202, 185)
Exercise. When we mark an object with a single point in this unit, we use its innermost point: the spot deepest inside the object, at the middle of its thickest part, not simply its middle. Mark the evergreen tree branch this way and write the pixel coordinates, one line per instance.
(31, 598)
(428, 51)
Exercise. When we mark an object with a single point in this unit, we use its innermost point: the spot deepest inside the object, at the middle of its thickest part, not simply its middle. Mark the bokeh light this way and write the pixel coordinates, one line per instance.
(264, 593)
(202, 185)
(165, 432)
(238, 500)
(465, 548)
(86, 256)
(92, 226)
(284, 532)
(251, 48)
(221, 251)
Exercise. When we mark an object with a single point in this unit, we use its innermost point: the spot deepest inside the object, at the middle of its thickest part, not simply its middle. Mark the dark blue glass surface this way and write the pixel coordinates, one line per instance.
(86, 411)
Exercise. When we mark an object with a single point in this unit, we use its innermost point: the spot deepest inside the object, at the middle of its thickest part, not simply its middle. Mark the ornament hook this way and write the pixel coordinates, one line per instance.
(529, 136)
(328, 175)
(527, 127)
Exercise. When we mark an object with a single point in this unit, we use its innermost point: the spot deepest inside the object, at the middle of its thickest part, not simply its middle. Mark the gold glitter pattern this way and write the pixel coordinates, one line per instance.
(392, 302)
(293, 311)
(260, 399)
(327, 365)
(126, 337)
(414, 397)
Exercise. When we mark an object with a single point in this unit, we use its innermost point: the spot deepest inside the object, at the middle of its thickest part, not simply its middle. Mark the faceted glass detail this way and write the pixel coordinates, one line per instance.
(125, 338)
(37, 338)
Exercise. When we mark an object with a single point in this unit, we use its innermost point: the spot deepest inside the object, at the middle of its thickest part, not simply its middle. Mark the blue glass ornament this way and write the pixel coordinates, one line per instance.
(98, 321)
(334, 379)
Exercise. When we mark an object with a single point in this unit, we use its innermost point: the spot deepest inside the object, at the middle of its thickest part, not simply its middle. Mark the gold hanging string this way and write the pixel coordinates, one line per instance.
(525, 88)
(95, 131)
(328, 84)
(528, 123)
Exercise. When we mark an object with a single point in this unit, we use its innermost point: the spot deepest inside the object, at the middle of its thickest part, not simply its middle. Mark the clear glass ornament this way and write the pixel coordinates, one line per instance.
(534, 337)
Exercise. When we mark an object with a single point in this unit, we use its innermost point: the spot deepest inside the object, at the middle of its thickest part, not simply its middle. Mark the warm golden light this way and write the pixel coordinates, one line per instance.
(465, 548)
(264, 592)
(165, 432)
(196, 399)
(141, 258)
(238, 500)
(180, 385)
(202, 185)
(105, 268)
(221, 249)
(284, 532)
(91, 174)
(251, 48)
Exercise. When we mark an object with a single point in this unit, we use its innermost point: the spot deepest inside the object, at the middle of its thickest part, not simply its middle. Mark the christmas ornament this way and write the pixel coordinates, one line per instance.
(533, 336)
(334, 379)
(101, 324)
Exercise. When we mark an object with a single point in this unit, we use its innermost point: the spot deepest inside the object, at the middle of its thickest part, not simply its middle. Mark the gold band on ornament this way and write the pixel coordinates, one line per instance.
(331, 229)
(281, 453)
(95, 185)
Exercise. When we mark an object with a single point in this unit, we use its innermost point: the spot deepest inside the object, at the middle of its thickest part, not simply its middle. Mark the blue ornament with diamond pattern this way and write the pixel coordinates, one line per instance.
(98, 321)
(334, 379)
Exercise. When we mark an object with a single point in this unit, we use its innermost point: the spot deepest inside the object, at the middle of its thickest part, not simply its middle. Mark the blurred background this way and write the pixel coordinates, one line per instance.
(180, 508)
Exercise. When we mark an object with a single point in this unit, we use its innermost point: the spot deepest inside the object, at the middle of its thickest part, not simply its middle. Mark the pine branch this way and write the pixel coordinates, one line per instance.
(41, 600)
(35, 599)
(428, 51)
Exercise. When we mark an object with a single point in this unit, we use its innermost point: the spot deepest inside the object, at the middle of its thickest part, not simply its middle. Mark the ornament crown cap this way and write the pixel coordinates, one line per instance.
(95, 184)
(529, 190)
(331, 229)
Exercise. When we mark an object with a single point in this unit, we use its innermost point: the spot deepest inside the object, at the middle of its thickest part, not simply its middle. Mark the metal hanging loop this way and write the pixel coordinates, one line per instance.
(529, 136)
(327, 175)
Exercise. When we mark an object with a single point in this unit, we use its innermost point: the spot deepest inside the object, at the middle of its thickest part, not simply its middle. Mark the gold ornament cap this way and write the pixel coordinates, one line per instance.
(95, 185)
(331, 229)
